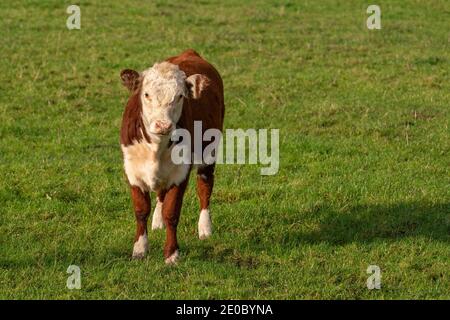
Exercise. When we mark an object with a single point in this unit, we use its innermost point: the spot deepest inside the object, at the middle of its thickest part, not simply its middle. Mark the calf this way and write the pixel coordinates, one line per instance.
(171, 94)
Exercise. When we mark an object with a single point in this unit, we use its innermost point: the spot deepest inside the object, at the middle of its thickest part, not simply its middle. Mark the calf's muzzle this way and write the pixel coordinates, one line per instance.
(162, 127)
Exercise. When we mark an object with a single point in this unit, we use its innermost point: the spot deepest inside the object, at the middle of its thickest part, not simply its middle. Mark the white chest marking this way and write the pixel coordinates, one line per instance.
(150, 168)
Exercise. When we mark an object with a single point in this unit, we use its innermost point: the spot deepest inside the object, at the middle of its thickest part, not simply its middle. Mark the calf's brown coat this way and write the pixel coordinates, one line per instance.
(208, 107)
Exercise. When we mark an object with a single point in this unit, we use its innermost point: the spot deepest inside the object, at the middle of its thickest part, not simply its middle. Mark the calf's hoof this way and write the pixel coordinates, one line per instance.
(138, 256)
(140, 247)
(173, 258)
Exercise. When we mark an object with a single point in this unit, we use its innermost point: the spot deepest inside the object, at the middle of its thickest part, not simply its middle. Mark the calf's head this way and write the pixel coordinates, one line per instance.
(161, 91)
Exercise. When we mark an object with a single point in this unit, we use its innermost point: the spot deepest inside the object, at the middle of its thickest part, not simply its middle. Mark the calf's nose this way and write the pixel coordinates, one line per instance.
(163, 127)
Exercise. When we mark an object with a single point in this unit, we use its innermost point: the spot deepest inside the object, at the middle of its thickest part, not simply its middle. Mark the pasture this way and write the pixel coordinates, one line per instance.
(364, 175)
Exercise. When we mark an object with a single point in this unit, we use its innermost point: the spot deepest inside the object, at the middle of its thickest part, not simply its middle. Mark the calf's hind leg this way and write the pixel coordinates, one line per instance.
(205, 182)
(157, 221)
(141, 203)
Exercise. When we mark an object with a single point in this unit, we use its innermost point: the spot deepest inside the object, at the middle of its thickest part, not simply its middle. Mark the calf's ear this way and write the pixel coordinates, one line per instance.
(196, 84)
(130, 79)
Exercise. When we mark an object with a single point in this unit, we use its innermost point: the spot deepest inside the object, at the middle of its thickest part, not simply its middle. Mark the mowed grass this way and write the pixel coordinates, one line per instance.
(364, 173)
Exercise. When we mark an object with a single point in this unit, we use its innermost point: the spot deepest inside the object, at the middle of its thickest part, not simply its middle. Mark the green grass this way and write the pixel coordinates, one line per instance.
(364, 150)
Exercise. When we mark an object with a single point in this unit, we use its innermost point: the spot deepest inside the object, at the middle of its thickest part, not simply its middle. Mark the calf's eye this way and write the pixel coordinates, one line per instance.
(146, 95)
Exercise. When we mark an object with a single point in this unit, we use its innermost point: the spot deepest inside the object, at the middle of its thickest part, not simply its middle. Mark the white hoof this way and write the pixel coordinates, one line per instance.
(204, 225)
(173, 259)
(157, 220)
(140, 247)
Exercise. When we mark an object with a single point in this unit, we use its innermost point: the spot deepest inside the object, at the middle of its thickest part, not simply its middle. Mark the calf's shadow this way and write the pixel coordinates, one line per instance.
(369, 223)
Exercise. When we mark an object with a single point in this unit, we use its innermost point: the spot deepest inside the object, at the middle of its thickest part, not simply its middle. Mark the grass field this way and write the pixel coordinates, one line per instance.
(364, 173)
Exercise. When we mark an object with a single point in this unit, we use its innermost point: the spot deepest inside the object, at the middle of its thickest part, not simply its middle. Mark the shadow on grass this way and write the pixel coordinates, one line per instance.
(377, 222)
(360, 224)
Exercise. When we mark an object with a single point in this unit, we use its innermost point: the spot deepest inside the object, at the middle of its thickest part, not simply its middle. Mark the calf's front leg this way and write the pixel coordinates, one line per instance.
(171, 209)
(141, 203)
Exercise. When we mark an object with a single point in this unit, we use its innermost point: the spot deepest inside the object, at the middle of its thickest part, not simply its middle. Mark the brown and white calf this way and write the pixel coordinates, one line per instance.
(171, 94)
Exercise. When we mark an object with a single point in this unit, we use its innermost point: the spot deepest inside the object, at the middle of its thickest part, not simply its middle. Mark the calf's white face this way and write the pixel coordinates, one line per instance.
(162, 92)
(163, 89)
